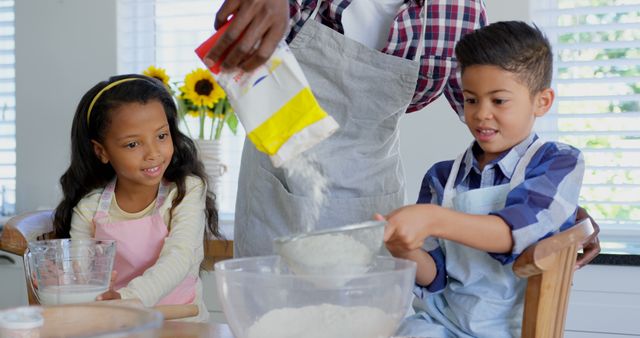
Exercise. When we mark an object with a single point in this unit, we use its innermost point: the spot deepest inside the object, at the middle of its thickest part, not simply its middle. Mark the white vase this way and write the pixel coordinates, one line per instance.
(209, 152)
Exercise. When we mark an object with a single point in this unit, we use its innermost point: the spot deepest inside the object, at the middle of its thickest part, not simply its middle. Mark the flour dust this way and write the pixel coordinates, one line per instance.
(305, 169)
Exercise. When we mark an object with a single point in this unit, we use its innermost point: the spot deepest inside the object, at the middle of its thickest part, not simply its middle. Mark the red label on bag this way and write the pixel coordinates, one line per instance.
(204, 48)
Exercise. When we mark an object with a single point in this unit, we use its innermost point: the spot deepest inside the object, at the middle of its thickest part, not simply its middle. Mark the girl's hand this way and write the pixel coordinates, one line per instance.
(408, 227)
(111, 293)
(253, 34)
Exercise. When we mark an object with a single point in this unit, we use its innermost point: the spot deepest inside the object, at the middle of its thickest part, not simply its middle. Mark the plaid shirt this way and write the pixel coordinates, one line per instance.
(446, 22)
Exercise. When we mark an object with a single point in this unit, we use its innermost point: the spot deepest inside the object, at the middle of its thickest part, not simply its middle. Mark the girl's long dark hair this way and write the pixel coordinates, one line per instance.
(86, 172)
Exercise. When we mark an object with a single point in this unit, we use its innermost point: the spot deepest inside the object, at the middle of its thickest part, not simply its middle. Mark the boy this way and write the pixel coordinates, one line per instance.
(508, 190)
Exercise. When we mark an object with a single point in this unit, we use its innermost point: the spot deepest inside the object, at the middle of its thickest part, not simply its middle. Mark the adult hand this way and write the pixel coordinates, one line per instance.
(254, 32)
(591, 245)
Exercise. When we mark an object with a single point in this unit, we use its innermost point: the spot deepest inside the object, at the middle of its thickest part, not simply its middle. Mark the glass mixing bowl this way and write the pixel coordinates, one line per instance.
(262, 297)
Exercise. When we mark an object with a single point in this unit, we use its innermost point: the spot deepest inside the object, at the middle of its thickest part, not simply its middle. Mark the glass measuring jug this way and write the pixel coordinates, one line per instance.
(67, 271)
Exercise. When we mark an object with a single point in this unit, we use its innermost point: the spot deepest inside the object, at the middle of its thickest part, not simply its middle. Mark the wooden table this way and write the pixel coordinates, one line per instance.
(195, 330)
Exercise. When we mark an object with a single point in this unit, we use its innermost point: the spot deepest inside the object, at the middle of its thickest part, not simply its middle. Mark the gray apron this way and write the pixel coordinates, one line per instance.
(482, 295)
(366, 92)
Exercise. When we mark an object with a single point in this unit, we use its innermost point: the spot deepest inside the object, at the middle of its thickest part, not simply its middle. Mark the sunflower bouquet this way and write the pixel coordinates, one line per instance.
(201, 103)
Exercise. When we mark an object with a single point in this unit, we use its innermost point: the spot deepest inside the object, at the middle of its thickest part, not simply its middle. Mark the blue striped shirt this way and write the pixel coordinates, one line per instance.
(542, 205)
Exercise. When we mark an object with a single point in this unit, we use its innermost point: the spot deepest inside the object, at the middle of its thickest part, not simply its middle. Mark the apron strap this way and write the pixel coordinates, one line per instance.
(518, 173)
(313, 14)
(516, 179)
(162, 195)
(449, 190)
(105, 202)
(423, 25)
(107, 196)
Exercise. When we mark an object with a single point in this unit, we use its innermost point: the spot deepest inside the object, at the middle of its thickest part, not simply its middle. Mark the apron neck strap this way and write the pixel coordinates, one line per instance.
(315, 10)
(518, 173)
(109, 191)
(423, 26)
(449, 190)
(516, 178)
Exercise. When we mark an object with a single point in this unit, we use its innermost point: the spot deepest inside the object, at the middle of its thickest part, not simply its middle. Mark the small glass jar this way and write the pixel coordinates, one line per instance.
(21, 322)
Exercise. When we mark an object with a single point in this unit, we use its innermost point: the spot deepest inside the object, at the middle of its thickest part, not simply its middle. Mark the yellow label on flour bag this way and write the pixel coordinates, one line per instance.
(274, 103)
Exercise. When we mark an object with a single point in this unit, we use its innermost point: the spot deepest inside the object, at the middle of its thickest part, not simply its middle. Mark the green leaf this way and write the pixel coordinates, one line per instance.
(232, 121)
(232, 118)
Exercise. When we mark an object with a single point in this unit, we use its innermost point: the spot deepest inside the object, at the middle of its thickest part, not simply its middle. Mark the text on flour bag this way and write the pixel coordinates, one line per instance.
(274, 103)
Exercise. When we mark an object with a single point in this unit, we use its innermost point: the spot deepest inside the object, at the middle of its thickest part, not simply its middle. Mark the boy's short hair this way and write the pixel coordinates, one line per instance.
(513, 46)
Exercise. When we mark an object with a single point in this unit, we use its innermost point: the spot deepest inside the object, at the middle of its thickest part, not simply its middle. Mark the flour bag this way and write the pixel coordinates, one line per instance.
(274, 103)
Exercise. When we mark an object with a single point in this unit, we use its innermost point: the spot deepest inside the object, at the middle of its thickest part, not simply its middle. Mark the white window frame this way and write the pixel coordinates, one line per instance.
(7, 108)
(618, 237)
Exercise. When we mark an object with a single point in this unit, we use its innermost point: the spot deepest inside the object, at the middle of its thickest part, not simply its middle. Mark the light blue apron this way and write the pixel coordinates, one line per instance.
(366, 92)
(483, 298)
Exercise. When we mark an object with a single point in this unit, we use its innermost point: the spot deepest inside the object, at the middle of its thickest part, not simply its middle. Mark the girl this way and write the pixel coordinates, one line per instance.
(134, 177)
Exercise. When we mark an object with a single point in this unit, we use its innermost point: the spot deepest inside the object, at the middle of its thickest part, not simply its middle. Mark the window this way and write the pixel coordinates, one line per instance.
(165, 33)
(597, 81)
(7, 109)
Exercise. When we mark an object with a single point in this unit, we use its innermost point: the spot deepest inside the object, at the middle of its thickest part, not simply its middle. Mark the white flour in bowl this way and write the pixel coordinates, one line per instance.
(324, 321)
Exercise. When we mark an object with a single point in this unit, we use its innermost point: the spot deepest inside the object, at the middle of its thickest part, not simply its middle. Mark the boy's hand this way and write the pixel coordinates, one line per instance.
(408, 227)
(591, 245)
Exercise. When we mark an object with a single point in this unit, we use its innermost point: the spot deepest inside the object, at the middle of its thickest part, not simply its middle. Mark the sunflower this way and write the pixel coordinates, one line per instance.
(158, 73)
(201, 89)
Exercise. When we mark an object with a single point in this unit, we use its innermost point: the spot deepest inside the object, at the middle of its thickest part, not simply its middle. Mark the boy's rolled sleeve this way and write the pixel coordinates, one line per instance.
(431, 193)
(432, 247)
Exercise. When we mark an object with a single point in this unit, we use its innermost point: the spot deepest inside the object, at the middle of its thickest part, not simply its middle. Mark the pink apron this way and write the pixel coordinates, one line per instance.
(138, 244)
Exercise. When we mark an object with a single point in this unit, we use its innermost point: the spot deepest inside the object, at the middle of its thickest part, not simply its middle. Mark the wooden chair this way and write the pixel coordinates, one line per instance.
(548, 266)
(23, 228)
(38, 225)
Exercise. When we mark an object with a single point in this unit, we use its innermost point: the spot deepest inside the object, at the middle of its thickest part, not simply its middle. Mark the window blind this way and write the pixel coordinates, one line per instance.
(597, 82)
(7, 108)
(165, 33)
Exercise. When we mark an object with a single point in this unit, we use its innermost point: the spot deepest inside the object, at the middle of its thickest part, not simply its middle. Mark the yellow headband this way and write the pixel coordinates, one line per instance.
(107, 87)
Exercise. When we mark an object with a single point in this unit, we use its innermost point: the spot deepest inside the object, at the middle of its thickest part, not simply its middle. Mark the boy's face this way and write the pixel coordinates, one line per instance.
(498, 108)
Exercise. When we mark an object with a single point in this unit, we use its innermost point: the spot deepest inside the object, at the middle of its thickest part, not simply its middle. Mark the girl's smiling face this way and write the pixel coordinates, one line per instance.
(499, 109)
(137, 144)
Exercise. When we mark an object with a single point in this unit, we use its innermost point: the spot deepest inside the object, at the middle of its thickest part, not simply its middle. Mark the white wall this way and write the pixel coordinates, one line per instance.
(63, 47)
